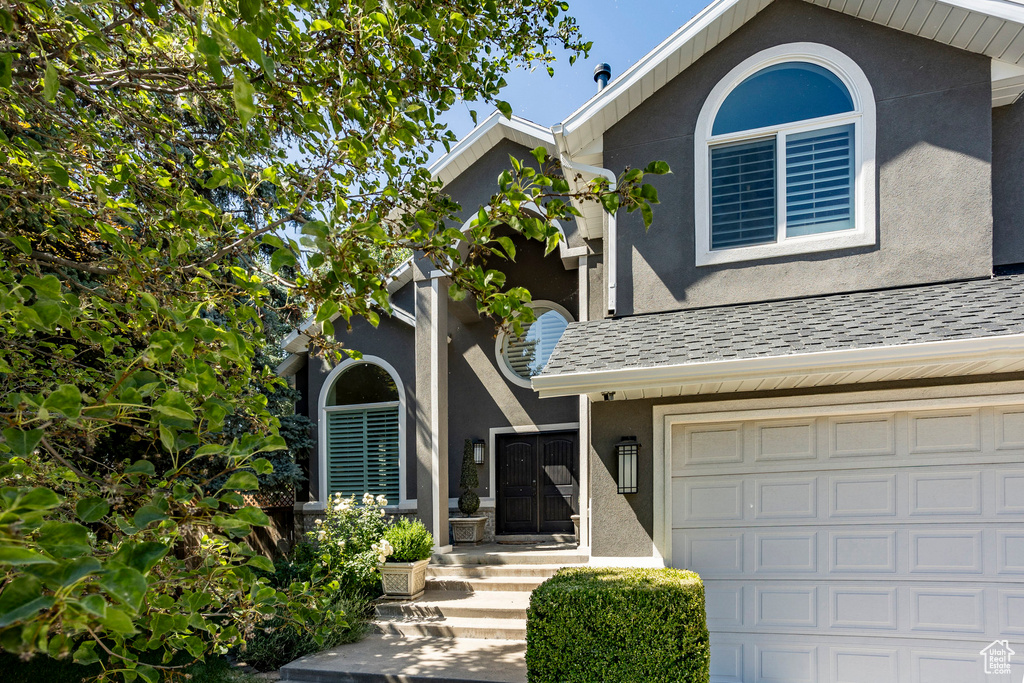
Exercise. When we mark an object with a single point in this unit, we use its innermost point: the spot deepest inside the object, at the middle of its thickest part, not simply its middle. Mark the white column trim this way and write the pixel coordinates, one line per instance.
(435, 414)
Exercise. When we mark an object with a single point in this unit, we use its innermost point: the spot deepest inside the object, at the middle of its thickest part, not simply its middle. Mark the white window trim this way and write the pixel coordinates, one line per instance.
(404, 501)
(863, 117)
(499, 342)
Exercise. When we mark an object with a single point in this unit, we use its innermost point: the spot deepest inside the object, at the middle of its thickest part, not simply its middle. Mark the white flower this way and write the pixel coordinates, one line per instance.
(381, 558)
(341, 544)
(367, 498)
(321, 535)
(381, 500)
(319, 521)
(386, 548)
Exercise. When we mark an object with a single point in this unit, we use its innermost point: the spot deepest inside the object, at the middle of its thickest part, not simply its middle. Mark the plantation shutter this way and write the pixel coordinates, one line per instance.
(819, 181)
(528, 354)
(362, 452)
(743, 194)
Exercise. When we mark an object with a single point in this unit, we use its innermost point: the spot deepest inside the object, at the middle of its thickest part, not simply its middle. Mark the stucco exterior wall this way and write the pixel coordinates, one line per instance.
(393, 341)
(480, 396)
(623, 525)
(934, 186)
(1008, 184)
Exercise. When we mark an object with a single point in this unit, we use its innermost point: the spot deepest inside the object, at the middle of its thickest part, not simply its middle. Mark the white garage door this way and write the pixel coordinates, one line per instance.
(878, 547)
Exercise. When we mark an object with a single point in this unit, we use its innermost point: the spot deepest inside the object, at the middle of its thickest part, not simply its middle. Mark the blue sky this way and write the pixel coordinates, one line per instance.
(622, 31)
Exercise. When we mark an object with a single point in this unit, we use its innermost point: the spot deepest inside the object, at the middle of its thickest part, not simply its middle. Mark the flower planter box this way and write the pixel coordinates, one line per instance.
(403, 580)
(467, 529)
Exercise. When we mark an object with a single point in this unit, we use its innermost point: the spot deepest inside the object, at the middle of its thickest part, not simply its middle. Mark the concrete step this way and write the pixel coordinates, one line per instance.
(484, 571)
(497, 554)
(440, 605)
(524, 584)
(394, 659)
(455, 627)
(534, 539)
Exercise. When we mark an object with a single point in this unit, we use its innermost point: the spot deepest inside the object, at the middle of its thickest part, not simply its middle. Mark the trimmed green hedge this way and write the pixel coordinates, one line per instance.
(595, 624)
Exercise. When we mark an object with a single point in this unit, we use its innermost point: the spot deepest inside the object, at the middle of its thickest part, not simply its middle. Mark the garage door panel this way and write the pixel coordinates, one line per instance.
(890, 660)
(939, 492)
(862, 436)
(951, 495)
(882, 546)
(862, 495)
(955, 431)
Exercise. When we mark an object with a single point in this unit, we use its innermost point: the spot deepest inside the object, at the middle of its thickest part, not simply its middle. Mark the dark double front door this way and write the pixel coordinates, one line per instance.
(538, 482)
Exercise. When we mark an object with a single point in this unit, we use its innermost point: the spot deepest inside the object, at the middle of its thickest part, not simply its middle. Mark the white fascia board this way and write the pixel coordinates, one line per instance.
(955, 351)
(290, 365)
(296, 341)
(404, 316)
(479, 142)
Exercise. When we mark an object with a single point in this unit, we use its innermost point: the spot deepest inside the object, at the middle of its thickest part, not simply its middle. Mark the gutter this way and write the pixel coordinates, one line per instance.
(611, 260)
(979, 349)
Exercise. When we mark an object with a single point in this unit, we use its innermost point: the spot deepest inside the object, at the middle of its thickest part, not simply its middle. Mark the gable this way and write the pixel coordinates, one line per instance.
(994, 28)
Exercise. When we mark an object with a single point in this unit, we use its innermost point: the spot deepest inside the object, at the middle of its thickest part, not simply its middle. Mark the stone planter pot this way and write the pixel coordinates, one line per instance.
(467, 529)
(576, 526)
(403, 580)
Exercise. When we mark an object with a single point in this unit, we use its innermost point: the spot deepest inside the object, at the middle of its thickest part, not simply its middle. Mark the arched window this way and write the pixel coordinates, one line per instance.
(520, 357)
(785, 157)
(361, 434)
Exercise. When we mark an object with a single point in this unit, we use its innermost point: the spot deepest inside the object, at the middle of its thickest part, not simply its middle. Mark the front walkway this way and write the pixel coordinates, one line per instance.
(398, 659)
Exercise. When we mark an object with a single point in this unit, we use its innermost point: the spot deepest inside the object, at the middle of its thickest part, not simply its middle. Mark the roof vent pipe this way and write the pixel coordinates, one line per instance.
(602, 72)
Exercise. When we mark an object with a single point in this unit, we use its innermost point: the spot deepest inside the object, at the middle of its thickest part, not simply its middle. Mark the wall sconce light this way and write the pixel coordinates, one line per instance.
(628, 450)
(479, 448)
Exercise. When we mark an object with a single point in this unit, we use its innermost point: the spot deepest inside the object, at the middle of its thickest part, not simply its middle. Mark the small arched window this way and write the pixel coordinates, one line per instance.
(362, 435)
(522, 356)
(785, 157)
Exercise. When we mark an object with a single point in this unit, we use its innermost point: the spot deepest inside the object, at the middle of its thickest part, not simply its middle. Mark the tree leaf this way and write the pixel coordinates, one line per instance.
(241, 481)
(92, 509)
(242, 91)
(17, 556)
(505, 108)
(261, 563)
(22, 443)
(658, 168)
(50, 82)
(64, 539)
(249, 9)
(6, 60)
(252, 515)
(127, 585)
(67, 399)
(57, 173)
(140, 556)
(141, 467)
(146, 515)
(119, 622)
(22, 598)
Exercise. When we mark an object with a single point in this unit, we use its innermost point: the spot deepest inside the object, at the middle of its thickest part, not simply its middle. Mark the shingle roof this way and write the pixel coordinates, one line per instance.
(912, 315)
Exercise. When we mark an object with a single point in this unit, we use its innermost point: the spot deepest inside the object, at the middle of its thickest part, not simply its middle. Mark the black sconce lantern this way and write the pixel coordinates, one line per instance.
(628, 450)
(479, 448)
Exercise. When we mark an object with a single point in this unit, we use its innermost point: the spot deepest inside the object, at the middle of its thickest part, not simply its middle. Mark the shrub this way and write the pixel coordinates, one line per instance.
(592, 624)
(344, 546)
(277, 643)
(469, 502)
(410, 541)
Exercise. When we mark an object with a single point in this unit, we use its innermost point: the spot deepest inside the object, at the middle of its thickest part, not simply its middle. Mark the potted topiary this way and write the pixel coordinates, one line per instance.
(468, 529)
(404, 553)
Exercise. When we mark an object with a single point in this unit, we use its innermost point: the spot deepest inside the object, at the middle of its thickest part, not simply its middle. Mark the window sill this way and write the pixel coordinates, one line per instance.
(791, 247)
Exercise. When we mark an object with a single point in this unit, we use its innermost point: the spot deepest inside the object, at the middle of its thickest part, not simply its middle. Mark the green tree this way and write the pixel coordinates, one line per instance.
(173, 175)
